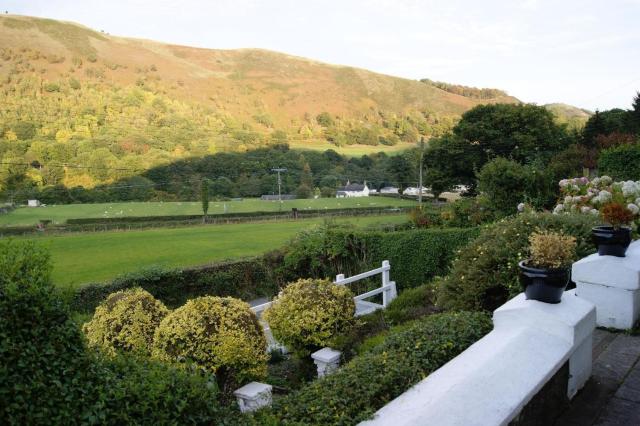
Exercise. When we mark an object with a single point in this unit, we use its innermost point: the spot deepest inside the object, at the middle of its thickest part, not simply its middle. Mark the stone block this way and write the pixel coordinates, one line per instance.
(327, 360)
(253, 396)
(613, 285)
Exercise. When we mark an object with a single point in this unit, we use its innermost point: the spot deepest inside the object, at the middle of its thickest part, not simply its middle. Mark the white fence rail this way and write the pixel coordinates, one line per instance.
(363, 307)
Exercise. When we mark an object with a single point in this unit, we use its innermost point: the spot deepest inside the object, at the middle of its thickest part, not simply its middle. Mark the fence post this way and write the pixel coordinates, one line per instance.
(385, 282)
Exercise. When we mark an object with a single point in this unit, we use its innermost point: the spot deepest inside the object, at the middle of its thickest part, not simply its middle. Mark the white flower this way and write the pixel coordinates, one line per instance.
(633, 208)
(604, 196)
(558, 209)
(630, 189)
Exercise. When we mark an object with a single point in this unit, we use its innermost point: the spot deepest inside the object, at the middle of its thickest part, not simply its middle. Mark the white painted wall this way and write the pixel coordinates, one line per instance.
(490, 382)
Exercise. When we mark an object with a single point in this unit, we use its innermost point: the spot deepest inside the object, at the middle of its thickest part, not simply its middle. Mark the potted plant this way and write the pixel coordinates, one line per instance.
(545, 275)
(613, 239)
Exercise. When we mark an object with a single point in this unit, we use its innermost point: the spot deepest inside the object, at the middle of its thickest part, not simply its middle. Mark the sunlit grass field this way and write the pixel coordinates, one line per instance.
(59, 214)
(100, 256)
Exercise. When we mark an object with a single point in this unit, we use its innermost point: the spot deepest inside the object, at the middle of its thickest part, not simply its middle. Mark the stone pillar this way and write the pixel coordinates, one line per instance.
(327, 360)
(253, 396)
(613, 285)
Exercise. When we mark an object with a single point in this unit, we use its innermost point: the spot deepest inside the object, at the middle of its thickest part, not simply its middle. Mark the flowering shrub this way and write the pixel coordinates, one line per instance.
(125, 321)
(581, 195)
(308, 313)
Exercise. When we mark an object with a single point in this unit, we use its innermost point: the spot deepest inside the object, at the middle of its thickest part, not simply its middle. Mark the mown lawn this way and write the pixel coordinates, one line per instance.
(93, 257)
(60, 214)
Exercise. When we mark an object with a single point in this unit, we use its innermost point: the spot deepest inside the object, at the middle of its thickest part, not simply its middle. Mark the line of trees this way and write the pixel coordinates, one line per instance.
(512, 153)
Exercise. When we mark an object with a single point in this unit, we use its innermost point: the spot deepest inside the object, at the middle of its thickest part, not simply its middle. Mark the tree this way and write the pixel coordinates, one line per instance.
(451, 161)
(503, 185)
(520, 132)
(204, 197)
(324, 119)
(635, 113)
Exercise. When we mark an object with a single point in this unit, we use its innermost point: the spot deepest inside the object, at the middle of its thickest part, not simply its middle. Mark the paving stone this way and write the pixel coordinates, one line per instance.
(617, 359)
(601, 339)
(620, 412)
(627, 344)
(628, 393)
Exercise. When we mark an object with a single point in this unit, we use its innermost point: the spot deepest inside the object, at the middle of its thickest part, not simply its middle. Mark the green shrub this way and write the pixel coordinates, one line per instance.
(45, 373)
(219, 334)
(48, 377)
(485, 274)
(143, 391)
(466, 212)
(621, 162)
(412, 303)
(126, 321)
(308, 313)
(503, 184)
(416, 256)
(357, 390)
(245, 279)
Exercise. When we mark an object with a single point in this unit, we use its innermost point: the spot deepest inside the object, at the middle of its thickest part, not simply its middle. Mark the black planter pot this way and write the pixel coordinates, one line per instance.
(545, 285)
(611, 242)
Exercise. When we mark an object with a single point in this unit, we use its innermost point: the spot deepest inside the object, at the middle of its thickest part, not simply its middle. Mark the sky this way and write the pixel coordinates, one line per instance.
(581, 52)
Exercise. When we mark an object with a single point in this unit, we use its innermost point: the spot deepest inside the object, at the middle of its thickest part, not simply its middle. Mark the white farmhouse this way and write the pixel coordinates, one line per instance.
(353, 190)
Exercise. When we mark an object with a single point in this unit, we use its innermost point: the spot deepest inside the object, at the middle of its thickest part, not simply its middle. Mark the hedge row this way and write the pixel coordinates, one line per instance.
(365, 384)
(354, 211)
(245, 279)
(416, 256)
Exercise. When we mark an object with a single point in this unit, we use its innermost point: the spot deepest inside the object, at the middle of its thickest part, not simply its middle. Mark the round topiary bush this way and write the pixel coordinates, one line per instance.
(125, 321)
(219, 334)
(308, 313)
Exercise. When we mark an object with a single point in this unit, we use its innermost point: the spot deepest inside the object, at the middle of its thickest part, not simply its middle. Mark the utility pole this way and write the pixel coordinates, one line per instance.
(279, 170)
(420, 174)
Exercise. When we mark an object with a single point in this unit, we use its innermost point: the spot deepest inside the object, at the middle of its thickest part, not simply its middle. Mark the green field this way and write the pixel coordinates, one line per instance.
(59, 214)
(91, 257)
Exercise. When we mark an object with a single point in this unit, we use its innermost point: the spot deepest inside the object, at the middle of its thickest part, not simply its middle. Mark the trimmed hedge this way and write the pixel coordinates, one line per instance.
(416, 256)
(485, 274)
(353, 211)
(245, 279)
(361, 387)
(621, 162)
